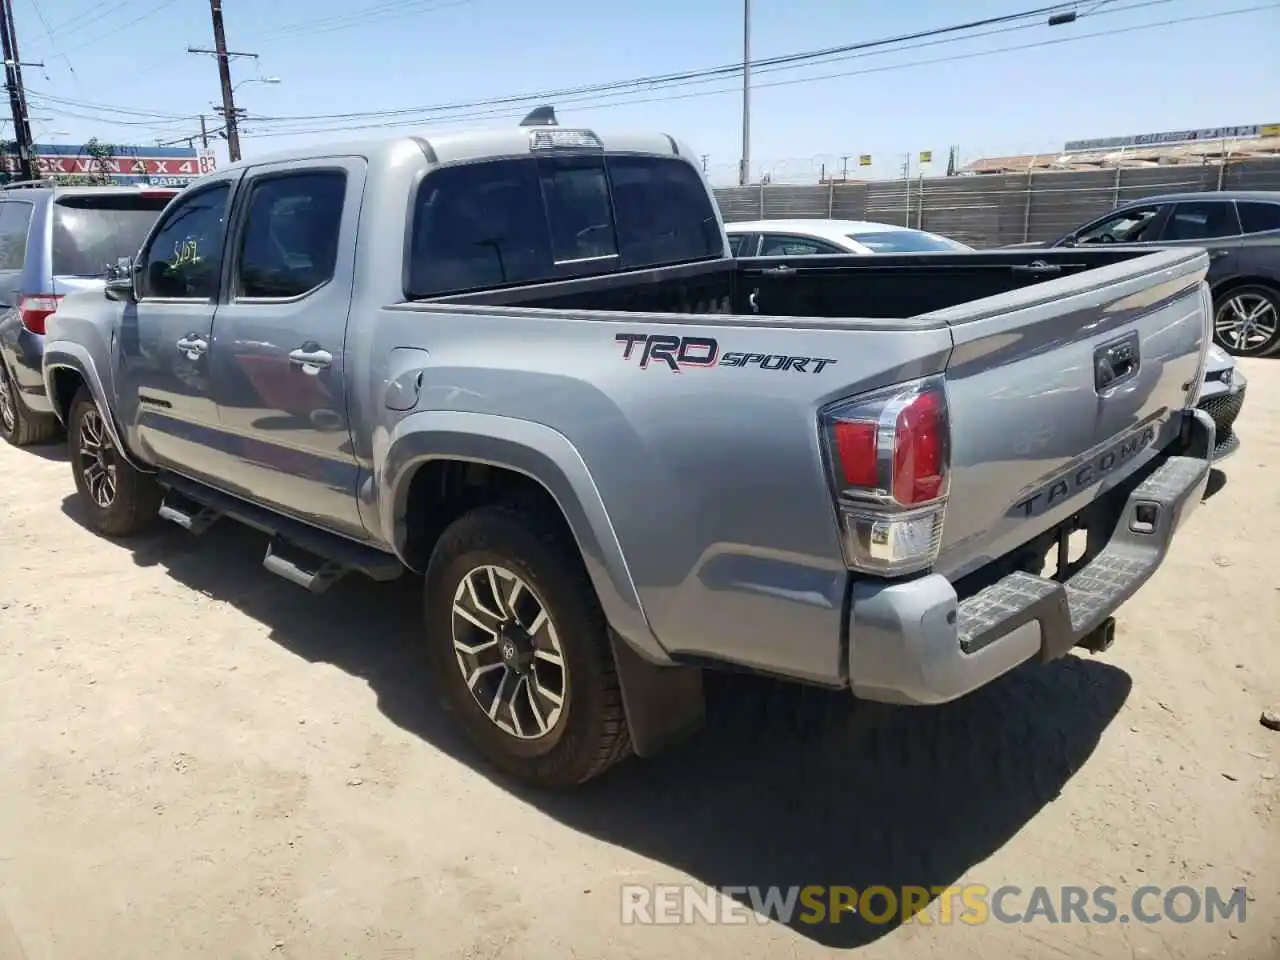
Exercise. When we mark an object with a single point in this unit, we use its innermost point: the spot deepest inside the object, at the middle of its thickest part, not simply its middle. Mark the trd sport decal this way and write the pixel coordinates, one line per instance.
(694, 353)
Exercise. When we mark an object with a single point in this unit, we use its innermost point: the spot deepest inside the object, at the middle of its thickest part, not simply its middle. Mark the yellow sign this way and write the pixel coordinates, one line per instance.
(926, 156)
(1269, 130)
(864, 160)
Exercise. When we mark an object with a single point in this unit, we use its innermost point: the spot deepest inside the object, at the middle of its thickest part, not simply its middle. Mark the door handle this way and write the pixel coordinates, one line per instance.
(311, 358)
(193, 345)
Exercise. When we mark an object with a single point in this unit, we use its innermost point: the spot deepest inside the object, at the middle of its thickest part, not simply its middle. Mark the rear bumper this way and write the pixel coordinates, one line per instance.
(916, 643)
(26, 361)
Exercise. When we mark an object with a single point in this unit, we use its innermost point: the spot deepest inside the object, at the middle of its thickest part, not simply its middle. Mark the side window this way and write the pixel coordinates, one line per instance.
(735, 243)
(1202, 220)
(184, 256)
(15, 218)
(478, 225)
(289, 243)
(1131, 226)
(1256, 217)
(778, 245)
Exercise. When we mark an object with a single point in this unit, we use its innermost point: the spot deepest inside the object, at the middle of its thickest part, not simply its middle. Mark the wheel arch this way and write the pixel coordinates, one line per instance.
(1244, 280)
(68, 367)
(440, 463)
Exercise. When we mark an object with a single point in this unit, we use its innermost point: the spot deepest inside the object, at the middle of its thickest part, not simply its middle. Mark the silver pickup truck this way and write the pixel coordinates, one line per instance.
(520, 364)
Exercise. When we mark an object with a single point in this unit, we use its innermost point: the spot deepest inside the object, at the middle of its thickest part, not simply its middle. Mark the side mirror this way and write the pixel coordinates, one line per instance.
(1068, 241)
(119, 282)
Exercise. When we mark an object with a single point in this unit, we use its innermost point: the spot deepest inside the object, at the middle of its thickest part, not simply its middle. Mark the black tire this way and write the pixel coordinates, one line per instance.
(1250, 294)
(136, 497)
(19, 426)
(590, 734)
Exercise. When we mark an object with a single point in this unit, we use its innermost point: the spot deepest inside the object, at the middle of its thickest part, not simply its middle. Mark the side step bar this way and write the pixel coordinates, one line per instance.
(301, 554)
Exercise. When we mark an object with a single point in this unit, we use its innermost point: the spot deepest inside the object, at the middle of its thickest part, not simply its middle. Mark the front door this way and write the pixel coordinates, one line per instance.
(278, 356)
(166, 405)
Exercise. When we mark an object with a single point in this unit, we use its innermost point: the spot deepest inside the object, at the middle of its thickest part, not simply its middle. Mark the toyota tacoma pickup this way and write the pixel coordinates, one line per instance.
(521, 365)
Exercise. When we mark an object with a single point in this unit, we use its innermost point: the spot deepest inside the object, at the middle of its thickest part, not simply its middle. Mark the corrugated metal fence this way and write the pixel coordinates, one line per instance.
(991, 210)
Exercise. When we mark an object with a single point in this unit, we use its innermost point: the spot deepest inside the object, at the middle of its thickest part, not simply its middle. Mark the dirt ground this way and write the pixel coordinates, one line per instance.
(200, 760)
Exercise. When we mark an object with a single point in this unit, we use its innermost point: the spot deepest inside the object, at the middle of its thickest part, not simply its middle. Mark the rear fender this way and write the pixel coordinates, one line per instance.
(66, 355)
(543, 455)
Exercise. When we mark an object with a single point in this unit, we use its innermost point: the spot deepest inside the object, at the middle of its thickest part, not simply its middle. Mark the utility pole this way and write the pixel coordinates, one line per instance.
(744, 168)
(204, 133)
(229, 112)
(844, 168)
(17, 93)
(705, 158)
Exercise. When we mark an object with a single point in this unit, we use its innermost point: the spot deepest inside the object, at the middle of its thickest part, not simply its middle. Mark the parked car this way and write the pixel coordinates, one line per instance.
(54, 241)
(1222, 397)
(798, 238)
(1241, 231)
(522, 365)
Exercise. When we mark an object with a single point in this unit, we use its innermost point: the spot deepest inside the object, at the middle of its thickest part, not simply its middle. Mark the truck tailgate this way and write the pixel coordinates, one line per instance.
(1058, 400)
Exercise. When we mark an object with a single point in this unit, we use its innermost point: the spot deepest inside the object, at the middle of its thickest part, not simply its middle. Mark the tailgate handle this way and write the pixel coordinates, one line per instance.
(1115, 362)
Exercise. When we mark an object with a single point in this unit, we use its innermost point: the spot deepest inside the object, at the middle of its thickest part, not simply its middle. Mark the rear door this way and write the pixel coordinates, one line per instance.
(1212, 224)
(279, 360)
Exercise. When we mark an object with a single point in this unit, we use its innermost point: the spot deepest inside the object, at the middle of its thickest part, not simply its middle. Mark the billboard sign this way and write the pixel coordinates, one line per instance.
(124, 165)
(1171, 137)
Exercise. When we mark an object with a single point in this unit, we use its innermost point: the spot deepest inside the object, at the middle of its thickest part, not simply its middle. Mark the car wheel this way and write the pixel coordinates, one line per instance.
(18, 425)
(521, 648)
(1246, 321)
(120, 499)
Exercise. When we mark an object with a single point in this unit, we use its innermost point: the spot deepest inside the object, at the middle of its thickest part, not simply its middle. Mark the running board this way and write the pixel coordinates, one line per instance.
(307, 571)
(300, 553)
(193, 517)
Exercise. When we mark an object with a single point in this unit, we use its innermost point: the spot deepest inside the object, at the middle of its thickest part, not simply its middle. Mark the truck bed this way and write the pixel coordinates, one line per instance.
(810, 287)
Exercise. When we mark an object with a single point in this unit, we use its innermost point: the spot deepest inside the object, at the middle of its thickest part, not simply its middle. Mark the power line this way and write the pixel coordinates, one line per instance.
(98, 38)
(764, 65)
(393, 10)
(608, 103)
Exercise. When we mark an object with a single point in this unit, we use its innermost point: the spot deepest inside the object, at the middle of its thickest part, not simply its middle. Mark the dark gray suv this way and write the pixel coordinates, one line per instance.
(1241, 231)
(54, 241)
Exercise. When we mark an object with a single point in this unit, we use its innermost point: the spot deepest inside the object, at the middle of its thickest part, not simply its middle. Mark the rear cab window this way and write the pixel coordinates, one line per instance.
(530, 219)
(92, 231)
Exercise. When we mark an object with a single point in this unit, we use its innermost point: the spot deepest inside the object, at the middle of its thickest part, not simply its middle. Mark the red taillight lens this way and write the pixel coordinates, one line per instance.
(36, 310)
(919, 450)
(855, 449)
(890, 459)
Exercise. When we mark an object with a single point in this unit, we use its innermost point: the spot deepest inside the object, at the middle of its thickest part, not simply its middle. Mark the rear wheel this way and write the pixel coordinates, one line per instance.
(18, 425)
(521, 649)
(1246, 321)
(120, 499)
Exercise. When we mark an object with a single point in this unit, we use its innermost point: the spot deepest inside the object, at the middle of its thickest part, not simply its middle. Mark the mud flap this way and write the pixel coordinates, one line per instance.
(663, 704)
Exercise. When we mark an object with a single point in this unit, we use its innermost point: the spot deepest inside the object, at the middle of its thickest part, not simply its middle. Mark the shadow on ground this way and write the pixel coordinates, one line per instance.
(55, 452)
(1217, 480)
(786, 786)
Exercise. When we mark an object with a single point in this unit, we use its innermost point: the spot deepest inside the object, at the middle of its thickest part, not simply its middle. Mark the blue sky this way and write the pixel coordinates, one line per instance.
(105, 57)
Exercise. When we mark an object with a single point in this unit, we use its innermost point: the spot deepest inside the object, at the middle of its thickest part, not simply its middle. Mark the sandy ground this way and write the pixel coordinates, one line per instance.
(200, 760)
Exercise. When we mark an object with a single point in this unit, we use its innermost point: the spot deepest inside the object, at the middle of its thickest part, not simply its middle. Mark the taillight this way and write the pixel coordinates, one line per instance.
(890, 455)
(36, 310)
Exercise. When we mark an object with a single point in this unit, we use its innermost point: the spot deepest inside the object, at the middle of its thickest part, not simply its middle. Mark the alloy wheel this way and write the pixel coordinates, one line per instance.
(1247, 323)
(97, 459)
(509, 652)
(8, 412)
